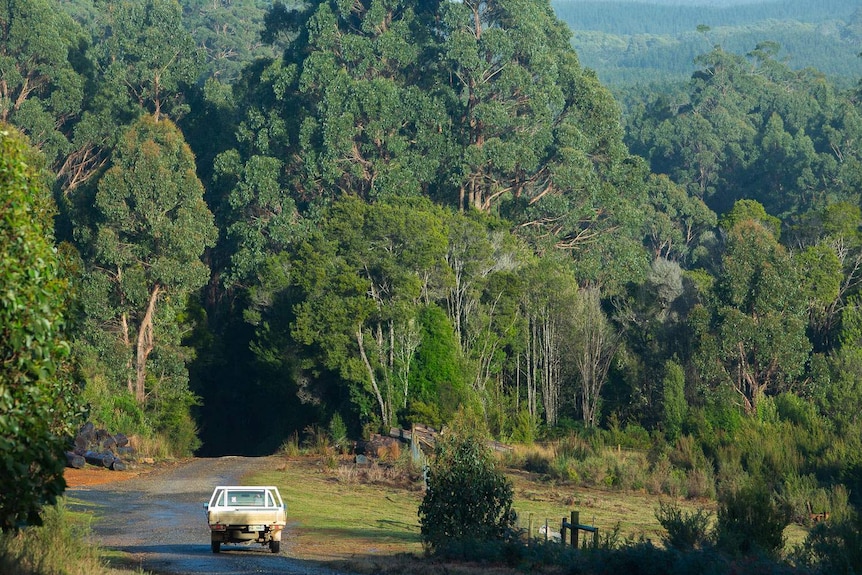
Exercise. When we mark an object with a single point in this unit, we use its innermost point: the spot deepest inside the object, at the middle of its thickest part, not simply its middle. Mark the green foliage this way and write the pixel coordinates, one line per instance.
(146, 51)
(142, 241)
(62, 544)
(750, 522)
(338, 432)
(439, 374)
(37, 395)
(524, 428)
(750, 210)
(675, 405)
(114, 410)
(805, 498)
(422, 413)
(43, 89)
(172, 419)
(363, 276)
(833, 547)
(685, 530)
(467, 498)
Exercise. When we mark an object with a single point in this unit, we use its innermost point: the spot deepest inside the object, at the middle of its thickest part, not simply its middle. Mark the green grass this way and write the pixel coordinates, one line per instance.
(59, 547)
(335, 514)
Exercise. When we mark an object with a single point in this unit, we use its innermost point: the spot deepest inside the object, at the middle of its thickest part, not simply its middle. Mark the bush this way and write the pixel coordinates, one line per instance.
(700, 483)
(37, 390)
(467, 499)
(834, 548)
(750, 522)
(60, 545)
(685, 530)
(338, 432)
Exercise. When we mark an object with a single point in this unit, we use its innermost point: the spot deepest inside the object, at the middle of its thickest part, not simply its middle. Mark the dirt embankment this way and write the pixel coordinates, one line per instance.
(90, 475)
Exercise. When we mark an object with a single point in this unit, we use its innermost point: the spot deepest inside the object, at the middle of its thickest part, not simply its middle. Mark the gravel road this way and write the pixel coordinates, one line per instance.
(158, 519)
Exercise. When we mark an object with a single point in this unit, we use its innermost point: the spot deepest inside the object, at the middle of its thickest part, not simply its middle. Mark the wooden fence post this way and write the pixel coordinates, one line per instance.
(576, 520)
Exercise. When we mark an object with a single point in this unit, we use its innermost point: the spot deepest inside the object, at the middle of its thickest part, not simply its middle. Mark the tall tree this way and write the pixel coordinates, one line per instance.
(147, 234)
(146, 50)
(371, 124)
(750, 127)
(363, 282)
(762, 314)
(36, 392)
(41, 91)
(595, 343)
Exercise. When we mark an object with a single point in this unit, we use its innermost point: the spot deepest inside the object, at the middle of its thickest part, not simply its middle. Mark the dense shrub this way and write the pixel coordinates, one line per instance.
(467, 499)
(750, 522)
(685, 530)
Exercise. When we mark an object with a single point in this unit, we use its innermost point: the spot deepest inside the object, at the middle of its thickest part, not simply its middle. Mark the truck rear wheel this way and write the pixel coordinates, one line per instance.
(274, 546)
(216, 546)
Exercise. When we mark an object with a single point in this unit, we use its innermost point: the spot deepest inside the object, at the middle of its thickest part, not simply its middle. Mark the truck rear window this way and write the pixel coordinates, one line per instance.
(248, 499)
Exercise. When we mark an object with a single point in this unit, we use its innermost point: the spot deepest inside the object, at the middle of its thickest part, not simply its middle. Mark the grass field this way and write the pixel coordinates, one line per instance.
(338, 513)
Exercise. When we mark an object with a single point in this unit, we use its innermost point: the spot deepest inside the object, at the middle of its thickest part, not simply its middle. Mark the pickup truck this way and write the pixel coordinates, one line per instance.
(245, 514)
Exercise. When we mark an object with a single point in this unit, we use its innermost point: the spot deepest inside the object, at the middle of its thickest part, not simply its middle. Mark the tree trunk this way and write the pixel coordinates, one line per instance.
(384, 412)
(127, 343)
(146, 342)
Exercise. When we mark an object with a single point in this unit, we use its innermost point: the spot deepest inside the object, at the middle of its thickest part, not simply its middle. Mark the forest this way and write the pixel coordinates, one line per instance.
(268, 219)
(653, 42)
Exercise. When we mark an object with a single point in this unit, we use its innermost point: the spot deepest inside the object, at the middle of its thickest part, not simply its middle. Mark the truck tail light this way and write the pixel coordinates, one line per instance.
(218, 527)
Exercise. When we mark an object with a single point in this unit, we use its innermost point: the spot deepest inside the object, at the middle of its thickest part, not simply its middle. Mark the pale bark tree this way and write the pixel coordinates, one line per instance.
(595, 343)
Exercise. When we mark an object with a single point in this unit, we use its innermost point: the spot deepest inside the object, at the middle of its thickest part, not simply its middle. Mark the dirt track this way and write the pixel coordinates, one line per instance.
(158, 519)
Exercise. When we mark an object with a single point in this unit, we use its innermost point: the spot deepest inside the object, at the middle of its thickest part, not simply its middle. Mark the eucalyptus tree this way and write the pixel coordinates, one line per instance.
(141, 59)
(229, 33)
(828, 247)
(143, 242)
(539, 139)
(676, 223)
(595, 343)
(372, 124)
(548, 297)
(752, 128)
(761, 317)
(42, 84)
(145, 51)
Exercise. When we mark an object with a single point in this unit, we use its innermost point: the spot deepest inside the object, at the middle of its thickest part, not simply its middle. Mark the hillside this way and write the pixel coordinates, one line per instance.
(629, 42)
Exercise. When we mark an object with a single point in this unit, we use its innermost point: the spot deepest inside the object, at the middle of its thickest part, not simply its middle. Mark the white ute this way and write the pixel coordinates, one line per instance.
(244, 514)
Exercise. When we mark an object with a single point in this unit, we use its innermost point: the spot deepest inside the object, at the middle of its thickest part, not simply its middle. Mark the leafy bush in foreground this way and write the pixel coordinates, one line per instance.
(467, 498)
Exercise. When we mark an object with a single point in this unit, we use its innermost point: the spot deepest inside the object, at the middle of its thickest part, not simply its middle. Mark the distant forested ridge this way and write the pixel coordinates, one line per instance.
(628, 42)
